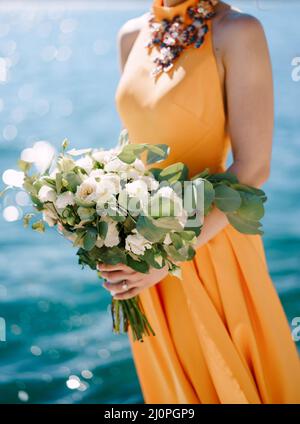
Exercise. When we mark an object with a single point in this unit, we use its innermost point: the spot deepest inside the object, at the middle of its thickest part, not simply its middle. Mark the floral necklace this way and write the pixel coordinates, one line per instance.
(172, 36)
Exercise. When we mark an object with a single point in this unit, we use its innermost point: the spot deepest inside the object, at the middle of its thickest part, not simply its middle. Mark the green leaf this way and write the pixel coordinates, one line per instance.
(86, 214)
(168, 223)
(155, 172)
(156, 153)
(226, 198)
(64, 144)
(222, 177)
(203, 174)
(80, 233)
(252, 207)
(244, 226)
(148, 228)
(27, 219)
(24, 166)
(252, 190)
(58, 181)
(38, 226)
(102, 227)
(73, 181)
(176, 240)
(89, 239)
(209, 196)
(123, 137)
(152, 259)
(130, 152)
(139, 266)
(173, 173)
(187, 235)
(112, 255)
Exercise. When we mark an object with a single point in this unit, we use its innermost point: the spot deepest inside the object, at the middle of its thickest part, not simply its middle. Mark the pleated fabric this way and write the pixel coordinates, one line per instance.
(221, 333)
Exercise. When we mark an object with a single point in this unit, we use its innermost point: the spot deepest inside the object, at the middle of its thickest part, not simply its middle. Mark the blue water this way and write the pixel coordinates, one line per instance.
(56, 315)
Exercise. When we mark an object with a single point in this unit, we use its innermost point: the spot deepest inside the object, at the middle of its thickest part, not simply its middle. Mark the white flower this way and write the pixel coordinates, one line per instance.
(111, 181)
(179, 211)
(86, 163)
(104, 156)
(46, 194)
(115, 165)
(99, 242)
(107, 187)
(49, 217)
(167, 240)
(138, 164)
(66, 164)
(138, 189)
(112, 236)
(65, 199)
(136, 243)
(96, 173)
(53, 173)
(152, 183)
(88, 190)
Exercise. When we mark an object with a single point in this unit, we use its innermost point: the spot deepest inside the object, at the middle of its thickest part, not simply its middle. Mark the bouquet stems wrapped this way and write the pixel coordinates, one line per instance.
(116, 209)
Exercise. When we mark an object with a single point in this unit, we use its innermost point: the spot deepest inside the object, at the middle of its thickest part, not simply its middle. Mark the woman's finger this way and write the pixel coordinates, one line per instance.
(116, 276)
(117, 267)
(120, 287)
(128, 294)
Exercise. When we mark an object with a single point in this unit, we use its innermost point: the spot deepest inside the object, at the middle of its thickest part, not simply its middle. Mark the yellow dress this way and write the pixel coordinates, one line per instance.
(221, 333)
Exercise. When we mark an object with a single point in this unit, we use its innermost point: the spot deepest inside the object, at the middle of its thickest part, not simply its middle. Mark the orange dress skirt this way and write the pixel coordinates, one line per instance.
(221, 333)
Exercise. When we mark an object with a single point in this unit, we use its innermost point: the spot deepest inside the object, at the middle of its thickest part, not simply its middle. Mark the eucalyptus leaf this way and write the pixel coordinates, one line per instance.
(148, 228)
(173, 173)
(244, 226)
(156, 153)
(139, 266)
(89, 239)
(226, 198)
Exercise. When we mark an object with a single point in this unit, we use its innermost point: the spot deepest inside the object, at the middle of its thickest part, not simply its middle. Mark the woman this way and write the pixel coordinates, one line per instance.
(221, 333)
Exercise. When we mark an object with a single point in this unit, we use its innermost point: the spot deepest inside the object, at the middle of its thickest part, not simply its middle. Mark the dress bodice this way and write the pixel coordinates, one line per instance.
(182, 108)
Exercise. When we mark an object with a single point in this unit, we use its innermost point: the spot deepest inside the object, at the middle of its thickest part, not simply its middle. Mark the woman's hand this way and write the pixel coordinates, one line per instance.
(124, 283)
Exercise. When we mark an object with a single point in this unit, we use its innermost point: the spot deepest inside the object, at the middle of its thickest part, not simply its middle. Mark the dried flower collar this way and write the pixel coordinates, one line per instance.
(172, 36)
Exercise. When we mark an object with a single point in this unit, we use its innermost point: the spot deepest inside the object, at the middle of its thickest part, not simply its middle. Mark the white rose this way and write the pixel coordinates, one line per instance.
(88, 190)
(115, 165)
(114, 179)
(49, 217)
(152, 183)
(138, 189)
(96, 173)
(65, 199)
(86, 163)
(46, 194)
(105, 156)
(99, 242)
(112, 236)
(107, 187)
(136, 243)
(138, 164)
(179, 211)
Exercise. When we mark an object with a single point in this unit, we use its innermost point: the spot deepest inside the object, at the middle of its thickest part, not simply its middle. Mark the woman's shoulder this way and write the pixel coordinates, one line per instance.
(236, 28)
(128, 33)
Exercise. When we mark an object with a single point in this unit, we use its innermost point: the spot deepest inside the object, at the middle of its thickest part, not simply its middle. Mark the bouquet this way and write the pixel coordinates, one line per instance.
(116, 208)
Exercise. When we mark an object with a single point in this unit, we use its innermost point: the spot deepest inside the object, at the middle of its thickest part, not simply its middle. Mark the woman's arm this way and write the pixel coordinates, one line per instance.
(127, 36)
(249, 104)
